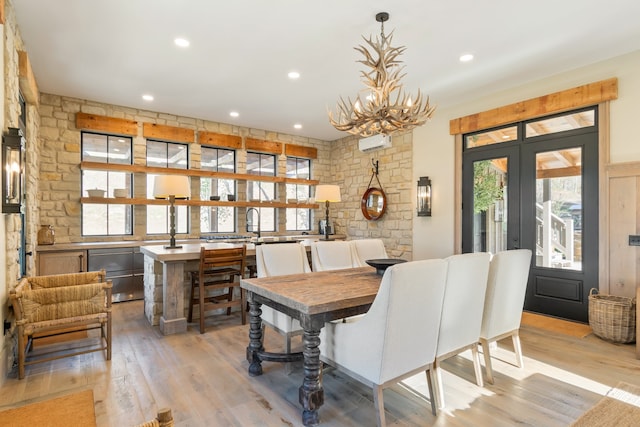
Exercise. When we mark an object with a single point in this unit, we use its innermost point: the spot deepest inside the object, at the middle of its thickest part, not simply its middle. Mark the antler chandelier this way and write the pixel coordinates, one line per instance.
(387, 108)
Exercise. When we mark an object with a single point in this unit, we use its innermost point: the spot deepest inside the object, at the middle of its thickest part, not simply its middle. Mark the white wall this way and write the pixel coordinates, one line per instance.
(433, 146)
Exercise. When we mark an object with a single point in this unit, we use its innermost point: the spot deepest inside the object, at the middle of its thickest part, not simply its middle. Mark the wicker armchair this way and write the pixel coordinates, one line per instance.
(47, 306)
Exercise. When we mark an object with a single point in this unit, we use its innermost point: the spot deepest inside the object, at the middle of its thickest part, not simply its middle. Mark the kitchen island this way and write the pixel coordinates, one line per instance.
(165, 276)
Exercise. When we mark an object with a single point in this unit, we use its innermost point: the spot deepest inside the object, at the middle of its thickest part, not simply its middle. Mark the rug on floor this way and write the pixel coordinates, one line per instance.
(619, 408)
(553, 324)
(76, 409)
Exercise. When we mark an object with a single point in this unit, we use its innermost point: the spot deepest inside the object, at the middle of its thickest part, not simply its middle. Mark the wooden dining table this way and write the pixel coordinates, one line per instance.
(312, 298)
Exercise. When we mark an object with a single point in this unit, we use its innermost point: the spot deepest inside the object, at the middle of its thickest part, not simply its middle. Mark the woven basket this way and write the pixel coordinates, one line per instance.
(612, 318)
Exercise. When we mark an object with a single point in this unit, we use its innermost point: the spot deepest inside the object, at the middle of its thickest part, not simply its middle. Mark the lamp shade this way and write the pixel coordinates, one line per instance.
(171, 185)
(328, 193)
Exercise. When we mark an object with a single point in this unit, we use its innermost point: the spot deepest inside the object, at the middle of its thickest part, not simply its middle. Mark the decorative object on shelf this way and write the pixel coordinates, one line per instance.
(214, 198)
(231, 197)
(46, 235)
(96, 192)
(120, 192)
(13, 149)
(374, 202)
(172, 187)
(327, 193)
(387, 108)
(424, 196)
(381, 265)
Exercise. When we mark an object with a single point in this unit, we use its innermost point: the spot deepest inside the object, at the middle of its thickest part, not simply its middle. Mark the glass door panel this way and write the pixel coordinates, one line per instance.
(559, 209)
(490, 205)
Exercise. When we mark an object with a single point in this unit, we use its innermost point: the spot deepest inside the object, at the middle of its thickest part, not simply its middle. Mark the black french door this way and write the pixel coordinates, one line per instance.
(534, 185)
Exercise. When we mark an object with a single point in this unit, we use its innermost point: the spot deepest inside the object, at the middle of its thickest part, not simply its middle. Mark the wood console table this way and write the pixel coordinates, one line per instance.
(313, 299)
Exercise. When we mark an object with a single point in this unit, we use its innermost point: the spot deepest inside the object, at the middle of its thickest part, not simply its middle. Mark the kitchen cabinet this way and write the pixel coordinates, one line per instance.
(125, 269)
(61, 262)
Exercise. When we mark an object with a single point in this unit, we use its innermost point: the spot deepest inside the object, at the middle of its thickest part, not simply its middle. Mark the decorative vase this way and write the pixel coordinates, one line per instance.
(46, 235)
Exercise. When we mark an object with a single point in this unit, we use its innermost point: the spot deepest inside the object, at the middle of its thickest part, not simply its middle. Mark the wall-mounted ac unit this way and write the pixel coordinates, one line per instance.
(374, 142)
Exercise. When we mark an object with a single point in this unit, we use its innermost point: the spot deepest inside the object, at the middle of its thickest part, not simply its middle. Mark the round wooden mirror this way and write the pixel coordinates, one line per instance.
(373, 203)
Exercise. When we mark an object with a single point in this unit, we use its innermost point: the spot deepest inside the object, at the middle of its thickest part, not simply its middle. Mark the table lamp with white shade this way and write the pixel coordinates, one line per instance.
(172, 187)
(327, 193)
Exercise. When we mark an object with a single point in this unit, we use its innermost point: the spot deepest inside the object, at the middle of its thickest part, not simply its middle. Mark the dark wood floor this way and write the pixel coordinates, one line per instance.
(204, 380)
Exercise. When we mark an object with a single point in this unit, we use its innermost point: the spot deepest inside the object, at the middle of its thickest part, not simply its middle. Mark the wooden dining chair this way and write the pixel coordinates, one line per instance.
(218, 271)
(333, 255)
(397, 337)
(506, 289)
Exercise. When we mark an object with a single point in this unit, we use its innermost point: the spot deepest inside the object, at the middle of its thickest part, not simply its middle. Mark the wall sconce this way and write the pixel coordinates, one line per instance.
(13, 146)
(424, 196)
(172, 187)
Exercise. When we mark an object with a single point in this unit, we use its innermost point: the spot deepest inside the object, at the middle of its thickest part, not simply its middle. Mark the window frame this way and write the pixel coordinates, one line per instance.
(183, 213)
(204, 195)
(110, 209)
(298, 212)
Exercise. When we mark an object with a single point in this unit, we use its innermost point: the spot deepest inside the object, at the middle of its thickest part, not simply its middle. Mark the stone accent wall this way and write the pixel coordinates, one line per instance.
(351, 169)
(60, 174)
(12, 224)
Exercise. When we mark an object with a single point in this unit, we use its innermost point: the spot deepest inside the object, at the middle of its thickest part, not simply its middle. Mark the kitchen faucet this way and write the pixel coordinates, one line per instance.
(249, 217)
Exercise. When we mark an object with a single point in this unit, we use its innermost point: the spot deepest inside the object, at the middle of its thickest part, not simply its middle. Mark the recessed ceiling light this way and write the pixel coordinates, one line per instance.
(234, 114)
(147, 97)
(297, 126)
(181, 42)
(293, 75)
(466, 57)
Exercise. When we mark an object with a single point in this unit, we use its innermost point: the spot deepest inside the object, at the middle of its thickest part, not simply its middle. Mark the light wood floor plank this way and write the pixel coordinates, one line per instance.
(203, 379)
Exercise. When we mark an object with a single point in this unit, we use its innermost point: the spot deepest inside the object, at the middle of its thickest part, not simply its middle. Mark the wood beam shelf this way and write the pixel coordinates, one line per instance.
(193, 202)
(193, 172)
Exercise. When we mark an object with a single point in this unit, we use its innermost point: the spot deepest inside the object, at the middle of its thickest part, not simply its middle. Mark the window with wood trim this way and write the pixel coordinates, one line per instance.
(298, 219)
(217, 219)
(106, 219)
(165, 155)
(261, 191)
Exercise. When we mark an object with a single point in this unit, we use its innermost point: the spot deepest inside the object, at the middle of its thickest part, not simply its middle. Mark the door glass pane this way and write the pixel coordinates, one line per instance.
(490, 205)
(564, 123)
(559, 209)
(490, 137)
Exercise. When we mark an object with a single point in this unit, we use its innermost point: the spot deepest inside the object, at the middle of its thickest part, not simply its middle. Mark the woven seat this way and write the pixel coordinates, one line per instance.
(217, 271)
(47, 306)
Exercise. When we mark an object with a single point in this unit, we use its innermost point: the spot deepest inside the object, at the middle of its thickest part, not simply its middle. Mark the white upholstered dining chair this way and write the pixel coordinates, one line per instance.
(506, 289)
(384, 346)
(278, 260)
(462, 311)
(368, 249)
(333, 255)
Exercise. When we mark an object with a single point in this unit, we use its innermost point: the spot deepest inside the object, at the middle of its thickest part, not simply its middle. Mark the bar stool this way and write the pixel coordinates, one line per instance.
(218, 270)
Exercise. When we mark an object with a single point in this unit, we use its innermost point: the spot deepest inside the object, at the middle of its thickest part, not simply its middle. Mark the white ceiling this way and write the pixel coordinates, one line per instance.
(113, 51)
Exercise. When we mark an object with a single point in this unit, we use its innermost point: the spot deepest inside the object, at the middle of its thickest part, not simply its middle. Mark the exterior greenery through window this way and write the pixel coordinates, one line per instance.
(264, 165)
(298, 219)
(165, 155)
(217, 219)
(106, 219)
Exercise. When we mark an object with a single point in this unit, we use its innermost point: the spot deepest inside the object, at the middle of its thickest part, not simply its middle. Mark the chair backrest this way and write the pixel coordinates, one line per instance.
(334, 255)
(506, 289)
(211, 259)
(369, 249)
(400, 330)
(463, 301)
(281, 258)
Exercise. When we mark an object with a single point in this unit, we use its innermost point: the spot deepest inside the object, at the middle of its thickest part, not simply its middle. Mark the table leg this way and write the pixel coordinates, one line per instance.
(255, 337)
(311, 393)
